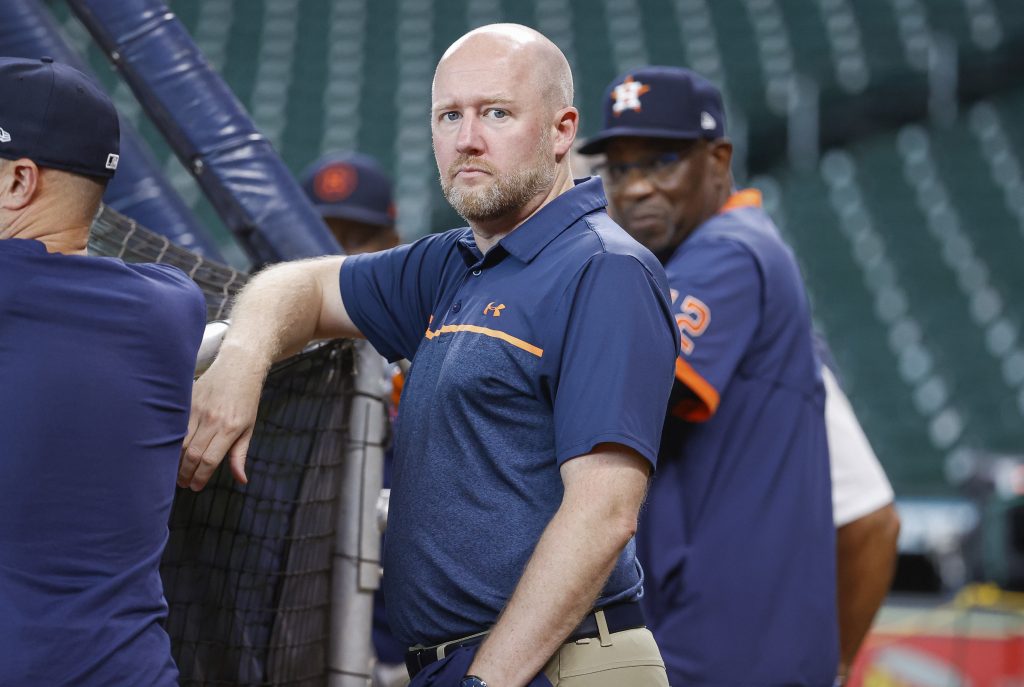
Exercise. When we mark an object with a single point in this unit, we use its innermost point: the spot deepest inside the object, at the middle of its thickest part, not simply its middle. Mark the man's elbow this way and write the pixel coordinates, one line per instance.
(877, 531)
(885, 522)
(621, 524)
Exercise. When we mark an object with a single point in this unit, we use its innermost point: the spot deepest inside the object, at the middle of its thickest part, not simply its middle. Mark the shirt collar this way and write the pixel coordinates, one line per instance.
(533, 235)
(530, 238)
(747, 198)
(467, 248)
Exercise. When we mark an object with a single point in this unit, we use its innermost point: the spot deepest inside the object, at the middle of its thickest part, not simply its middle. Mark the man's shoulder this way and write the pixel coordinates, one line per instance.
(172, 293)
(746, 233)
(749, 228)
(432, 248)
(599, 235)
(166, 279)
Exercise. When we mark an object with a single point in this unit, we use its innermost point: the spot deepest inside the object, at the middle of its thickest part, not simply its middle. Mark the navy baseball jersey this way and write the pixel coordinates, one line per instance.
(737, 537)
(96, 358)
(557, 340)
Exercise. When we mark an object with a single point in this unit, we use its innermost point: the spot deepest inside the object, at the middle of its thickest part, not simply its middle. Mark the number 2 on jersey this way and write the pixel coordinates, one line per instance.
(693, 320)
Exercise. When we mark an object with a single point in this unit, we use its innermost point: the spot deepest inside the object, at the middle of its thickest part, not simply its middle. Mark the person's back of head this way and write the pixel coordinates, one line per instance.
(354, 196)
(59, 146)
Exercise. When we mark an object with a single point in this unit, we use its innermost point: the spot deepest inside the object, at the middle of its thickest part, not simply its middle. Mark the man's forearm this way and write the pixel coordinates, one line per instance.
(277, 313)
(564, 577)
(569, 566)
(866, 558)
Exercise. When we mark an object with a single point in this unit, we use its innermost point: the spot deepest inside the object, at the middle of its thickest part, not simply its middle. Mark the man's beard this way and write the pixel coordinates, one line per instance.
(507, 192)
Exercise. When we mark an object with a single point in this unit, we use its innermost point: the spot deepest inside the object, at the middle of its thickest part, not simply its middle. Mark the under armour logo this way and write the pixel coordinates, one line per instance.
(627, 95)
(707, 122)
(494, 310)
(4, 136)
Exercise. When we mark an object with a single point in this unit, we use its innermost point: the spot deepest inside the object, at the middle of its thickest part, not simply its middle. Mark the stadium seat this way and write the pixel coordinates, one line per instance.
(909, 232)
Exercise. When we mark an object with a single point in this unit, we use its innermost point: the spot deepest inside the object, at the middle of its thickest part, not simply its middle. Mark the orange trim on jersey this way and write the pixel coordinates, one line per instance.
(486, 331)
(747, 198)
(397, 384)
(707, 396)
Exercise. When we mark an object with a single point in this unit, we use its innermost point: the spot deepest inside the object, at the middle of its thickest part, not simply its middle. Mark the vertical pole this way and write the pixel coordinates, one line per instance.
(943, 81)
(356, 572)
(802, 122)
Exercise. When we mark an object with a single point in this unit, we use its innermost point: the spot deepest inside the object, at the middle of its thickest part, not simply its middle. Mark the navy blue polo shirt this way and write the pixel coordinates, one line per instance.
(559, 339)
(737, 537)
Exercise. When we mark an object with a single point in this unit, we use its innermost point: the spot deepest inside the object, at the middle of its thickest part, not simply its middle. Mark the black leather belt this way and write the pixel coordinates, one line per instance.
(619, 617)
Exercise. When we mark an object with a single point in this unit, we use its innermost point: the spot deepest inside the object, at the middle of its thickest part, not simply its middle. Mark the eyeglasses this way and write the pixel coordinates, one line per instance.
(657, 168)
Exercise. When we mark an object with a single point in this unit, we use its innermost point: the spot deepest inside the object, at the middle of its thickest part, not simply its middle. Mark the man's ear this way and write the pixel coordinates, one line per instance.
(721, 157)
(19, 182)
(567, 121)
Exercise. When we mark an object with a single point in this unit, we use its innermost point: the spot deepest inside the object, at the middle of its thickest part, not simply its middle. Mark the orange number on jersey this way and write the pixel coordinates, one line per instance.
(693, 320)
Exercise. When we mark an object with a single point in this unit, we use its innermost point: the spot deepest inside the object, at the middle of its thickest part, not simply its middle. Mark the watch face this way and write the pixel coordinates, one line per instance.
(472, 681)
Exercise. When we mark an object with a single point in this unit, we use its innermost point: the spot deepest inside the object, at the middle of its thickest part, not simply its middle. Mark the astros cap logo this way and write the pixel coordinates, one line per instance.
(4, 136)
(335, 182)
(627, 95)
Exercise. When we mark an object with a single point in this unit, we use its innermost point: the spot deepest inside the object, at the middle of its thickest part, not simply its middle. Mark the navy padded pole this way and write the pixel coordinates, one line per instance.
(139, 189)
(245, 180)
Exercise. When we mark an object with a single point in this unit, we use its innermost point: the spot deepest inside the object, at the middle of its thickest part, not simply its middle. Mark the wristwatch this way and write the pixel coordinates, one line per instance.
(472, 681)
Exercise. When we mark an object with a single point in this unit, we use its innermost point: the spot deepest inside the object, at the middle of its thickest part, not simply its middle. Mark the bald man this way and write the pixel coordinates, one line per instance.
(542, 347)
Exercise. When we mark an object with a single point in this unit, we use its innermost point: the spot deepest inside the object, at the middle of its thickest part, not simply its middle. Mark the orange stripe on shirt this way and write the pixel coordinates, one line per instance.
(486, 331)
(706, 403)
(747, 198)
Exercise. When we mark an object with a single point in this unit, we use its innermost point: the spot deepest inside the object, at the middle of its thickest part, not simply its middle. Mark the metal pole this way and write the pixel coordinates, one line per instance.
(208, 129)
(213, 337)
(802, 122)
(943, 81)
(356, 573)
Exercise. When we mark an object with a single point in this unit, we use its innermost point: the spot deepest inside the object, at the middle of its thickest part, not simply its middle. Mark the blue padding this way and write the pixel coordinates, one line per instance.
(245, 180)
(139, 189)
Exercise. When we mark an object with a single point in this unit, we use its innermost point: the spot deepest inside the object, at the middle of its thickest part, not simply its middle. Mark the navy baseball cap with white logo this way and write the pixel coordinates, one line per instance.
(57, 117)
(350, 186)
(659, 102)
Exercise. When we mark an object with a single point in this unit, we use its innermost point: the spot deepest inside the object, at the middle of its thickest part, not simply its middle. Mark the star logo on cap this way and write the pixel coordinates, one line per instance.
(335, 183)
(4, 136)
(627, 95)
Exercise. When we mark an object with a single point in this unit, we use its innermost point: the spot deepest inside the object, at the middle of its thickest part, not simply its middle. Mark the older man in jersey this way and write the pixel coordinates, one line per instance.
(738, 538)
(542, 346)
(95, 381)
(743, 320)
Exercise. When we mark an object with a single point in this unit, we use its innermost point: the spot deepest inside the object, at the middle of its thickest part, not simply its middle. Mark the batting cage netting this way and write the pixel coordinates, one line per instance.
(247, 570)
(118, 236)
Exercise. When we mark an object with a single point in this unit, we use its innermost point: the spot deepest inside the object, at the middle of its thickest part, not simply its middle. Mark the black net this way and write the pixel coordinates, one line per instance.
(247, 570)
(116, 235)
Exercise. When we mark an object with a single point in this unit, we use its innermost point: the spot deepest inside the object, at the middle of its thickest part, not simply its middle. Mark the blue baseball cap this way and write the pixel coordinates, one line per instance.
(659, 102)
(57, 117)
(350, 186)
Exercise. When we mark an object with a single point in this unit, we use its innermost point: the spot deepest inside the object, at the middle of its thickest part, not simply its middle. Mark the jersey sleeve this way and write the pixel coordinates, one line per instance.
(717, 298)
(616, 361)
(389, 294)
(859, 484)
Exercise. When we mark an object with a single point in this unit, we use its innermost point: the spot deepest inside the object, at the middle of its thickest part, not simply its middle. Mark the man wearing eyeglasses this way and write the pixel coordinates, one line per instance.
(737, 539)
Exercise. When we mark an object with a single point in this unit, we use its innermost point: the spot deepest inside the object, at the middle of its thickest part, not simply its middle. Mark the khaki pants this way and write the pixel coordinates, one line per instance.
(624, 659)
